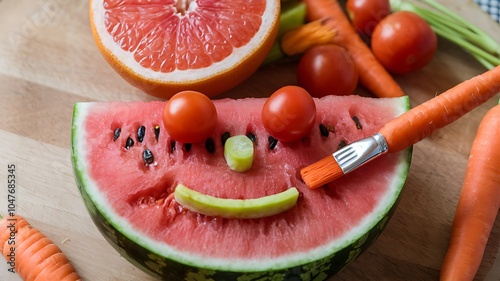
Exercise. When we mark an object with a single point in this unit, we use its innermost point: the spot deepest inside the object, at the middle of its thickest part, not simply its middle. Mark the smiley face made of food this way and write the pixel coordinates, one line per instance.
(129, 167)
(191, 117)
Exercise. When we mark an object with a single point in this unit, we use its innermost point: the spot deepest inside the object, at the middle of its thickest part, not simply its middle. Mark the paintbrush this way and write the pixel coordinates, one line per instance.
(407, 129)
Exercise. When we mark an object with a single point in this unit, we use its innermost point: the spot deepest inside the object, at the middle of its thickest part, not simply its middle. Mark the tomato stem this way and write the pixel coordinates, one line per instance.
(456, 29)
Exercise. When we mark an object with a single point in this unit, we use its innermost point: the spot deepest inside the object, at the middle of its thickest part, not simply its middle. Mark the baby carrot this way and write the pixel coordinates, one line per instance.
(31, 253)
(478, 204)
(421, 121)
(372, 74)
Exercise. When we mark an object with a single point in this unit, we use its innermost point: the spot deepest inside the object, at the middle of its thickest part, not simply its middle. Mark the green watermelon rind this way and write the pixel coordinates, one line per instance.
(145, 254)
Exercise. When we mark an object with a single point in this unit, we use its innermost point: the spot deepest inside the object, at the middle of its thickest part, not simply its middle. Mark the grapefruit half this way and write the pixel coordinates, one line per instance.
(166, 46)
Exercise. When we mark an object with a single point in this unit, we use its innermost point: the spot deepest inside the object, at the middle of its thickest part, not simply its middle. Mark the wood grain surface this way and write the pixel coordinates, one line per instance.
(48, 61)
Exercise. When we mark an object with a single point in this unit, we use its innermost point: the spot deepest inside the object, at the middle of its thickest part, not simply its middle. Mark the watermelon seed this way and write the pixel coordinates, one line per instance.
(187, 146)
(224, 138)
(147, 156)
(140, 133)
(157, 132)
(209, 145)
(358, 124)
(129, 143)
(272, 142)
(117, 133)
(323, 130)
(342, 144)
(252, 137)
(172, 146)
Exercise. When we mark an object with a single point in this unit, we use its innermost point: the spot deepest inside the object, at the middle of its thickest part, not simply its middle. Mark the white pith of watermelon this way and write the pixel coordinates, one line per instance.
(324, 222)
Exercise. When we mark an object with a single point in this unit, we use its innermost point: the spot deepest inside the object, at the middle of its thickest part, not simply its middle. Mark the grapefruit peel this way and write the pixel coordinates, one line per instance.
(236, 208)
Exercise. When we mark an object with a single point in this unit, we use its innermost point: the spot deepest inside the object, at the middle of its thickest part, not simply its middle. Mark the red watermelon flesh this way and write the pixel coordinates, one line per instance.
(139, 196)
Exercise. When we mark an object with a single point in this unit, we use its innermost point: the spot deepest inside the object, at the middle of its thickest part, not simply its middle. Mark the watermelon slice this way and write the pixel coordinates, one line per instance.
(127, 168)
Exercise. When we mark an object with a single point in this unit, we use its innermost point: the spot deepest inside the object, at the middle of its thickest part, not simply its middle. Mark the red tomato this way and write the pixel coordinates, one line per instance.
(189, 117)
(366, 14)
(327, 70)
(403, 42)
(289, 114)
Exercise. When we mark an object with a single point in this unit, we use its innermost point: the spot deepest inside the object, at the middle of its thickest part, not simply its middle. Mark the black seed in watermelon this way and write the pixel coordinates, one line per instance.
(224, 137)
(129, 143)
(141, 132)
(323, 130)
(252, 137)
(210, 145)
(272, 142)
(116, 133)
(157, 132)
(358, 124)
(342, 143)
(147, 156)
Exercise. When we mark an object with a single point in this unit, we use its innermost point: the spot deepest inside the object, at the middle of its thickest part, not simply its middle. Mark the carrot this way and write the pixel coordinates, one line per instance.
(478, 204)
(299, 39)
(372, 75)
(31, 254)
(421, 121)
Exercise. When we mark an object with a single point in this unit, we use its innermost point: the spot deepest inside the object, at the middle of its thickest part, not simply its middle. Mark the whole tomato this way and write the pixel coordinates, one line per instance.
(189, 117)
(327, 70)
(403, 42)
(289, 114)
(366, 14)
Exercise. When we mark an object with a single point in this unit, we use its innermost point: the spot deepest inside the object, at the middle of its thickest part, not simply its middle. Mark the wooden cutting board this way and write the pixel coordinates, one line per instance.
(48, 61)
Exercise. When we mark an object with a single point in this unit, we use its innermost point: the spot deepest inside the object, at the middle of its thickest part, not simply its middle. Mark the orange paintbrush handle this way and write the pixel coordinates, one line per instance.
(421, 121)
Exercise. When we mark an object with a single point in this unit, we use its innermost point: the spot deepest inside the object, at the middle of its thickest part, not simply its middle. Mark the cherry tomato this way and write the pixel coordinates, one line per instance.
(327, 70)
(403, 42)
(366, 14)
(189, 117)
(289, 114)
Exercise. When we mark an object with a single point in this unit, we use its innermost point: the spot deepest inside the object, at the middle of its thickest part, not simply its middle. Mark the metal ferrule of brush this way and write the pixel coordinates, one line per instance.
(359, 152)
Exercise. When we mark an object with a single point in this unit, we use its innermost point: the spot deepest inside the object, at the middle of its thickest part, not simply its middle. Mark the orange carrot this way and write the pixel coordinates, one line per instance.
(31, 254)
(372, 74)
(478, 204)
(421, 121)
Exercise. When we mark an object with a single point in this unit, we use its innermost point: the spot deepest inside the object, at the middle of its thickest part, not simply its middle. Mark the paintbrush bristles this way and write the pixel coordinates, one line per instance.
(321, 172)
